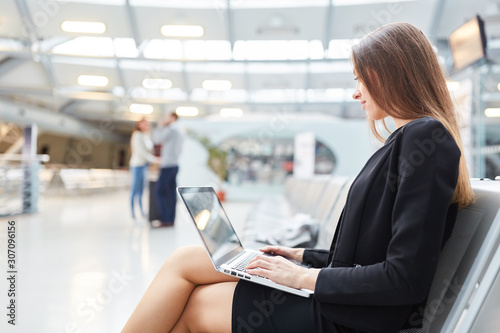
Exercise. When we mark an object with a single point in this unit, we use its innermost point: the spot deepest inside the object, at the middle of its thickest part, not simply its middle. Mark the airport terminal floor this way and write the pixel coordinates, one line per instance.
(83, 264)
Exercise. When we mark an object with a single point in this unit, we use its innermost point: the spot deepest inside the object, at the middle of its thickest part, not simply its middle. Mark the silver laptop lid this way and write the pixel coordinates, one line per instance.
(212, 223)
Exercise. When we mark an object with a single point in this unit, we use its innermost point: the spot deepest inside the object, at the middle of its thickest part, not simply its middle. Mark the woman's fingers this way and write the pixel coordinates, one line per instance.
(261, 262)
(279, 250)
(277, 269)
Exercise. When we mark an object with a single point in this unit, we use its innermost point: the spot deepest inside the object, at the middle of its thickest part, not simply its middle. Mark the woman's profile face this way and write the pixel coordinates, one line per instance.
(372, 110)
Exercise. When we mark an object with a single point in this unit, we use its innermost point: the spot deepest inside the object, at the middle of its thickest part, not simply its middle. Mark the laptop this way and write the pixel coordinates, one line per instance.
(221, 241)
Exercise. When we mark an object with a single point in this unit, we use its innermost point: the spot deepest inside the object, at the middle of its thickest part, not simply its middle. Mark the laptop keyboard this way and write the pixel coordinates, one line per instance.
(240, 266)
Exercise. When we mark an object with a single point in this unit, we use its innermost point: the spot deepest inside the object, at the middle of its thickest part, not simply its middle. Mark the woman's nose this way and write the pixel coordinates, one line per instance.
(356, 94)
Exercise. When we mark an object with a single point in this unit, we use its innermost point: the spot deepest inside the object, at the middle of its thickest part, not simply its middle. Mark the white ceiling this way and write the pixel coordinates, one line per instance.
(31, 72)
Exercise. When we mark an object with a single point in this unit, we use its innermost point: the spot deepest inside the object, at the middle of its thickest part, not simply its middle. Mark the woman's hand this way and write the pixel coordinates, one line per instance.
(282, 271)
(286, 252)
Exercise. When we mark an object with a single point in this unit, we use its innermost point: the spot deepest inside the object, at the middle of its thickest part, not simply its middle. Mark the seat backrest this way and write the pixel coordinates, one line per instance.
(316, 190)
(327, 228)
(327, 199)
(296, 197)
(461, 252)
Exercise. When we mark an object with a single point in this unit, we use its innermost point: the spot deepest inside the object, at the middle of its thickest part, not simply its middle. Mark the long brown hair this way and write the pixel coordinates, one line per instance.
(399, 68)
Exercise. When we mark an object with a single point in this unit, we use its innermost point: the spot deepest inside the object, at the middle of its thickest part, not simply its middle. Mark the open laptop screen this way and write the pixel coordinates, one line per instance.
(212, 223)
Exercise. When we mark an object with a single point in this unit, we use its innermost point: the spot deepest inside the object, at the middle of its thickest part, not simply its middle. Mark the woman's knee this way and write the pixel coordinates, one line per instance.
(185, 258)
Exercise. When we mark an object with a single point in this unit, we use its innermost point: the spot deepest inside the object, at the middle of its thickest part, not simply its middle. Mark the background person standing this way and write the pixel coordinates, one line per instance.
(171, 137)
(141, 147)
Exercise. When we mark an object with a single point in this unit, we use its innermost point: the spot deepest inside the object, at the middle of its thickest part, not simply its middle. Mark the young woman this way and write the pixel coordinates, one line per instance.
(398, 214)
(141, 147)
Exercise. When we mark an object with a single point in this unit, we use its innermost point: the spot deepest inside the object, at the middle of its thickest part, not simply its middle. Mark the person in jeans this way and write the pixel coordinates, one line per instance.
(171, 138)
(141, 147)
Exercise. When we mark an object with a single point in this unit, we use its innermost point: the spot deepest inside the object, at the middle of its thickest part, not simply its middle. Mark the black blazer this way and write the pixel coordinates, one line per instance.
(391, 231)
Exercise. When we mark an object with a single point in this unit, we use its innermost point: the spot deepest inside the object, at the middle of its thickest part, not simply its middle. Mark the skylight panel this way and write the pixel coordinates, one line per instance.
(207, 50)
(87, 46)
(164, 49)
(83, 27)
(272, 50)
(125, 48)
(316, 50)
(279, 95)
(341, 48)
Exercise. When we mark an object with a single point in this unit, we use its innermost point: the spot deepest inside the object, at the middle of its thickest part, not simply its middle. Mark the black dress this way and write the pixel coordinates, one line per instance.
(384, 253)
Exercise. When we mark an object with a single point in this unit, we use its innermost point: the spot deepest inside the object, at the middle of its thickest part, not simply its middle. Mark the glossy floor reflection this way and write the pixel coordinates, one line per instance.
(83, 264)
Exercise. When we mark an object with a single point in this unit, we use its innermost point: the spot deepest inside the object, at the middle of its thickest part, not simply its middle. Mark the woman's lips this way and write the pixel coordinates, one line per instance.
(363, 104)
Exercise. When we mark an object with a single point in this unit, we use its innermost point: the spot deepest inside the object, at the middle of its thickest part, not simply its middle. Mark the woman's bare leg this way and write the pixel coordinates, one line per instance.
(209, 309)
(164, 301)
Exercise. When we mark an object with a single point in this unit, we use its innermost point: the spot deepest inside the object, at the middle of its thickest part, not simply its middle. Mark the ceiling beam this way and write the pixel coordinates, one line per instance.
(27, 54)
(436, 19)
(185, 81)
(49, 121)
(49, 69)
(229, 25)
(70, 106)
(121, 77)
(246, 78)
(133, 24)
(25, 15)
(25, 91)
(328, 23)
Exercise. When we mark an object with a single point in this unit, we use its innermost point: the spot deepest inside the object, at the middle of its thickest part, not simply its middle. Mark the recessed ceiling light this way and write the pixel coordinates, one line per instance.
(141, 108)
(231, 112)
(157, 83)
(182, 30)
(492, 112)
(216, 85)
(93, 80)
(83, 27)
(187, 111)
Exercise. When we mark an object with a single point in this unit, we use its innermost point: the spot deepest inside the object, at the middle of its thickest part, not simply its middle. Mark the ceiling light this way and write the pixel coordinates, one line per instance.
(492, 112)
(231, 112)
(182, 30)
(83, 27)
(216, 85)
(157, 83)
(93, 80)
(141, 108)
(187, 111)
(453, 85)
